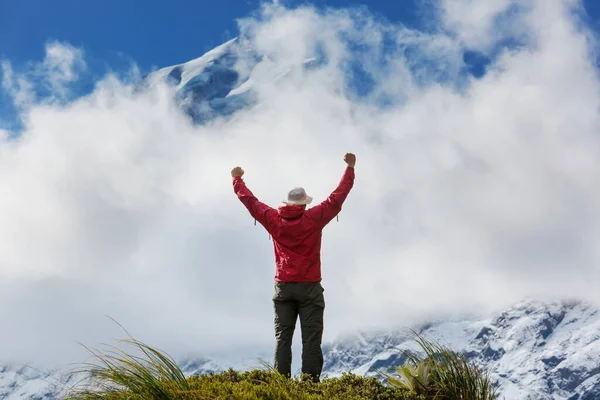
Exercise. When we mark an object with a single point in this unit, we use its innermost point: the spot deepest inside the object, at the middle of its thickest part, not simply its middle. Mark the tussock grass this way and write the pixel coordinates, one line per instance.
(441, 374)
(145, 373)
(150, 374)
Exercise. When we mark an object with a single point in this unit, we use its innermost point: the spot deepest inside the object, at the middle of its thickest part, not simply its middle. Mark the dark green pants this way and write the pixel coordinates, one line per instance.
(304, 300)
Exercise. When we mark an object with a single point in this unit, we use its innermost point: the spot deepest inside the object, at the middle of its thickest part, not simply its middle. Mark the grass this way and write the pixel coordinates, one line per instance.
(441, 373)
(145, 373)
(251, 385)
(149, 375)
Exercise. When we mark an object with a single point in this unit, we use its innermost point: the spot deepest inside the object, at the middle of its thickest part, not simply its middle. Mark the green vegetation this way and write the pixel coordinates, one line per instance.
(151, 375)
(413, 377)
(441, 374)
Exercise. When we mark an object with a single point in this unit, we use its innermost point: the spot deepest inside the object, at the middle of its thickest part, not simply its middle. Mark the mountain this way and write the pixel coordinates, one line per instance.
(534, 350)
(28, 383)
(213, 85)
(222, 81)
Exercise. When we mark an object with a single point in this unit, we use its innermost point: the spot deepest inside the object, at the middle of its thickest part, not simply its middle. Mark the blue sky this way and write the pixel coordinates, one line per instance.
(114, 32)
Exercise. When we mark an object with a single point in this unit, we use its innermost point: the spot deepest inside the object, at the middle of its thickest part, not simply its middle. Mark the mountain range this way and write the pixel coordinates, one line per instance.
(533, 351)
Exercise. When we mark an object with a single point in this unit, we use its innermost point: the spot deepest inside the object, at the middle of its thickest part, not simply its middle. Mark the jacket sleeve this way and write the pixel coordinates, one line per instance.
(328, 209)
(259, 211)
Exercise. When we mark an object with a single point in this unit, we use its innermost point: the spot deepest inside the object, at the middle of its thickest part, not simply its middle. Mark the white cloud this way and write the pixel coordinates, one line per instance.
(468, 196)
(48, 80)
(19, 88)
(62, 65)
(7, 76)
(481, 24)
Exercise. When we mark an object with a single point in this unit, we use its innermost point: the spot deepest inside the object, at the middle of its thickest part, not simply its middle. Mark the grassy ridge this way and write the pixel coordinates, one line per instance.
(148, 374)
(255, 385)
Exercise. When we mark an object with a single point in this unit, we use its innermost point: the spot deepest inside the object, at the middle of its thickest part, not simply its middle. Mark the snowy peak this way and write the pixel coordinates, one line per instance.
(534, 350)
(179, 75)
(543, 350)
(224, 80)
(215, 85)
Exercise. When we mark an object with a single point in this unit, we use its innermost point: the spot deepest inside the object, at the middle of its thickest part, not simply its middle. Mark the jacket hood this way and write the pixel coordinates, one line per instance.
(291, 212)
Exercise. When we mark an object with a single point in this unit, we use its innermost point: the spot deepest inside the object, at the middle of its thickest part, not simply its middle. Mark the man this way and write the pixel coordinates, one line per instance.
(296, 234)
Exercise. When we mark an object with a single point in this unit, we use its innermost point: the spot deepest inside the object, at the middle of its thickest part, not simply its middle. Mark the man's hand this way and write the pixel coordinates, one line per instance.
(237, 172)
(350, 159)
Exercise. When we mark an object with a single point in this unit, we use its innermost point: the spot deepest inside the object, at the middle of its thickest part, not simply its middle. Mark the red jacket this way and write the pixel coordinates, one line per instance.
(296, 231)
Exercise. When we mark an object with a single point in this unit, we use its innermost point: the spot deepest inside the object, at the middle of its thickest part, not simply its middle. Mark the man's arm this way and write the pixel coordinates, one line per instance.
(328, 209)
(259, 211)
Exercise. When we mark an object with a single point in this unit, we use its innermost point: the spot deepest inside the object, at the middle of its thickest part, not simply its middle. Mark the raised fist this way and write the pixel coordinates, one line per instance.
(350, 159)
(237, 172)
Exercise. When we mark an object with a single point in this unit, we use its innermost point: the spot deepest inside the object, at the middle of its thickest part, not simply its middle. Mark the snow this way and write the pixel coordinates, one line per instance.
(222, 81)
(195, 67)
(25, 382)
(192, 68)
(534, 350)
(244, 87)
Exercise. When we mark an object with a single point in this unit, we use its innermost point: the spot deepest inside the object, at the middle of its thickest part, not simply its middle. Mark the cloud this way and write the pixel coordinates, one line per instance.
(48, 80)
(470, 193)
(19, 88)
(479, 25)
(62, 65)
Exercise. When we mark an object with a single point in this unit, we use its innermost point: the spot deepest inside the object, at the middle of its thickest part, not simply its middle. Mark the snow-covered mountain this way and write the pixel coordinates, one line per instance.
(222, 81)
(534, 350)
(25, 382)
(218, 83)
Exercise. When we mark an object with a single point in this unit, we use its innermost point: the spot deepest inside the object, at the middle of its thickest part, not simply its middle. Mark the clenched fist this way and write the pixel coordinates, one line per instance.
(350, 159)
(237, 172)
